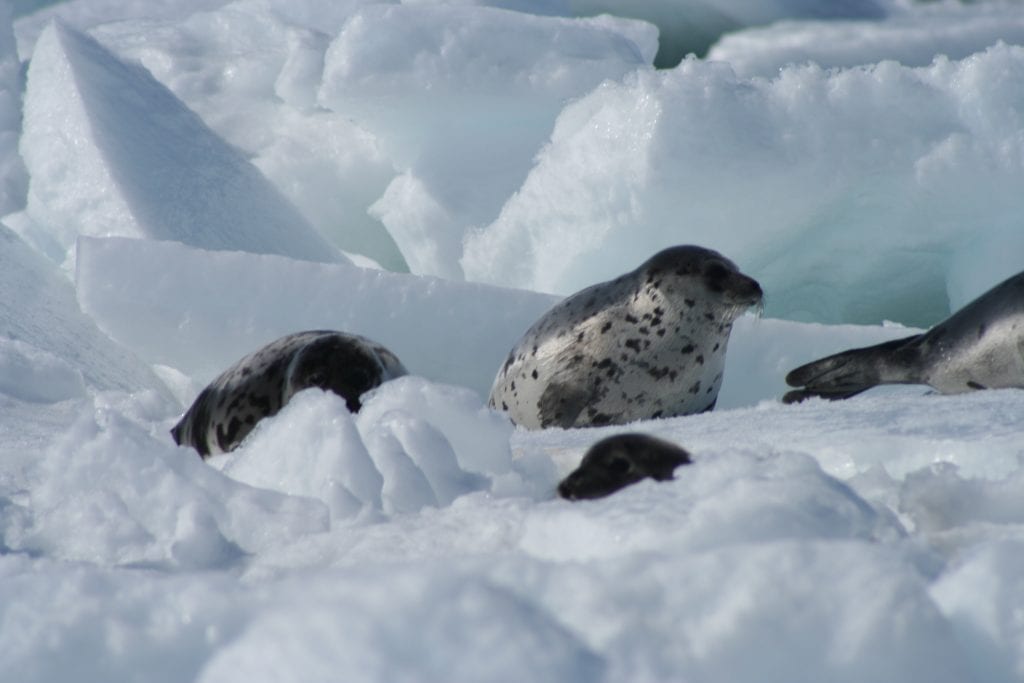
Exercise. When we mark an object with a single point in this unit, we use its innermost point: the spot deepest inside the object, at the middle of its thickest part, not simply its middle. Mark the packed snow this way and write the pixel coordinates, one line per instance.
(181, 183)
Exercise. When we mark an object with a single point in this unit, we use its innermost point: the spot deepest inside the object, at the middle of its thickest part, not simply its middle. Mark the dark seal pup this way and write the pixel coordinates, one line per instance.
(650, 343)
(260, 384)
(981, 346)
(621, 460)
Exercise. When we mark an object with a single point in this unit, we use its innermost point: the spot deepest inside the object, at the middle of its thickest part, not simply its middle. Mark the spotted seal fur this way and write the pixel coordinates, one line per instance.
(650, 343)
(981, 346)
(260, 384)
(618, 461)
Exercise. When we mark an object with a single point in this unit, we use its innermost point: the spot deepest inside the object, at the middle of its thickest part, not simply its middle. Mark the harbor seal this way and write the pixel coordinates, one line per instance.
(260, 384)
(650, 343)
(981, 346)
(618, 461)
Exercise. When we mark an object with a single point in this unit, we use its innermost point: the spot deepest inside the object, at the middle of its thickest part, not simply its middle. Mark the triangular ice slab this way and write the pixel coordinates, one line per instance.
(111, 151)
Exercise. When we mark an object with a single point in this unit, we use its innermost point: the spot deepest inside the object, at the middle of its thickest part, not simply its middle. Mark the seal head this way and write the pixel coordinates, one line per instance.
(618, 461)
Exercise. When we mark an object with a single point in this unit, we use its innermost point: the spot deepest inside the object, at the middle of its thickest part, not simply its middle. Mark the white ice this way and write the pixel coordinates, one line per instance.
(202, 177)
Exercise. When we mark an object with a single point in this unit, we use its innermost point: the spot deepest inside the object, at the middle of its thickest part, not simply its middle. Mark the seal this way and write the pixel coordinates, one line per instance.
(981, 346)
(618, 461)
(260, 384)
(648, 344)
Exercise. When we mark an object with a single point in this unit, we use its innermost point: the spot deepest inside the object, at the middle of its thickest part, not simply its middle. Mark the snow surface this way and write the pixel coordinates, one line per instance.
(202, 177)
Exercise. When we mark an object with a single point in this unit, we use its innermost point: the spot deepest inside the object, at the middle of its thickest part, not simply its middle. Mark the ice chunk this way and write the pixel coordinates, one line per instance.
(463, 97)
(50, 346)
(451, 332)
(861, 195)
(13, 177)
(913, 36)
(110, 151)
(690, 26)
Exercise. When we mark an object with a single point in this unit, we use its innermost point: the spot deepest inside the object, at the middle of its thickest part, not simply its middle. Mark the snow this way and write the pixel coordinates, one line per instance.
(203, 177)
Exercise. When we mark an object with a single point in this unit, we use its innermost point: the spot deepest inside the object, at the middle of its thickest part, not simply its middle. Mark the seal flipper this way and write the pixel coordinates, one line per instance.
(848, 373)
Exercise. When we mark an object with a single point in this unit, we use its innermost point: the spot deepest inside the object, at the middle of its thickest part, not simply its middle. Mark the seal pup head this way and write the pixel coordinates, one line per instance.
(618, 461)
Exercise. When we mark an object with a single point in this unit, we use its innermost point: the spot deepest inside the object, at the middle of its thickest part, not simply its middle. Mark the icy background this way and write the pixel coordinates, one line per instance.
(183, 182)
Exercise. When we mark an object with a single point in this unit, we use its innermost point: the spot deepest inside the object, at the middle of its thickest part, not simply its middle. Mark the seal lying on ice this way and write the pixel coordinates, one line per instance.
(650, 343)
(260, 384)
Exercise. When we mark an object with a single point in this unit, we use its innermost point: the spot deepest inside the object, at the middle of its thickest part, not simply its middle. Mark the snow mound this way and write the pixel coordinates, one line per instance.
(93, 121)
(392, 457)
(148, 502)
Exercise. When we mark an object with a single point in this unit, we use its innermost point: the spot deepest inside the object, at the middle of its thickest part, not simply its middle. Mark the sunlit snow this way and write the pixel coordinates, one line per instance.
(181, 183)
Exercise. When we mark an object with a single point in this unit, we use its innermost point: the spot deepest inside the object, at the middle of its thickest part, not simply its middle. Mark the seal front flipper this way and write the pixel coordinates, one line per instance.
(848, 373)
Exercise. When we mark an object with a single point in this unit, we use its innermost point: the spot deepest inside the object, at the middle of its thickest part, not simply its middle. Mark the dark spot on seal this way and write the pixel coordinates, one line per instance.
(534, 373)
(695, 388)
(607, 326)
(689, 348)
(974, 385)
(657, 373)
(633, 344)
(700, 359)
(632, 319)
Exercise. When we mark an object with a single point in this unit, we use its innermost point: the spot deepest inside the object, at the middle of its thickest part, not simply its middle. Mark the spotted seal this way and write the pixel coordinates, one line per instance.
(981, 346)
(618, 461)
(260, 384)
(650, 343)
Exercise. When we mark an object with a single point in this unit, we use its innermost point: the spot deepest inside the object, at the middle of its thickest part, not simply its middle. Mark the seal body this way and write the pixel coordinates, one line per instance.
(981, 346)
(260, 384)
(648, 344)
(618, 461)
